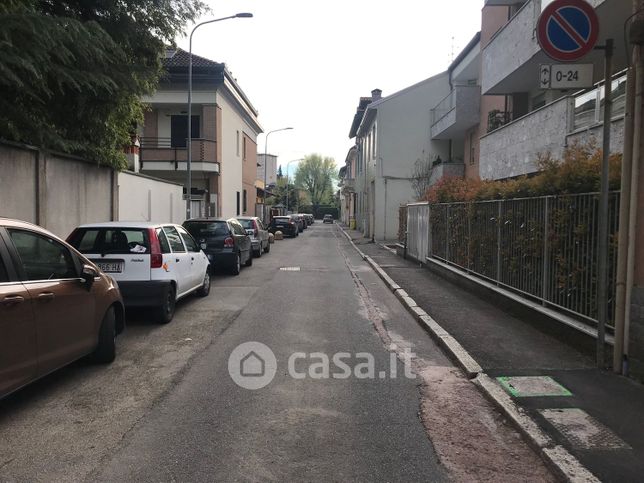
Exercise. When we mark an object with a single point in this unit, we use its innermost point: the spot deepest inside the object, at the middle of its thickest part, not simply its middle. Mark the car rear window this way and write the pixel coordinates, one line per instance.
(207, 229)
(247, 224)
(281, 221)
(111, 240)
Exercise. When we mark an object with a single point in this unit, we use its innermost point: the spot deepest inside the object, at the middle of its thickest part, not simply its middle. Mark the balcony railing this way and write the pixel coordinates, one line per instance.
(444, 106)
(161, 149)
(456, 113)
(497, 119)
(589, 106)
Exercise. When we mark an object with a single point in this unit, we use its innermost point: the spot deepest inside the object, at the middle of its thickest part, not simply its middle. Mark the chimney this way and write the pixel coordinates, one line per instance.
(376, 94)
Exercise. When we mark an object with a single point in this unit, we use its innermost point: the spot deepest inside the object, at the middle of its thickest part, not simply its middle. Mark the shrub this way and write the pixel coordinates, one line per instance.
(579, 171)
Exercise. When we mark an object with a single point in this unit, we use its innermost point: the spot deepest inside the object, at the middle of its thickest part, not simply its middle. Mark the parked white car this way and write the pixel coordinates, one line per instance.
(258, 234)
(154, 264)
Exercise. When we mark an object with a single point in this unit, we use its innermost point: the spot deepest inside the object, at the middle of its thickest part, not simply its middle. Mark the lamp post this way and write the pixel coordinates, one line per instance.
(189, 160)
(287, 190)
(266, 164)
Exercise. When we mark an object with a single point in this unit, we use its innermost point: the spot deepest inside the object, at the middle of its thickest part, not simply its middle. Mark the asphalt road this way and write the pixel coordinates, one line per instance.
(169, 410)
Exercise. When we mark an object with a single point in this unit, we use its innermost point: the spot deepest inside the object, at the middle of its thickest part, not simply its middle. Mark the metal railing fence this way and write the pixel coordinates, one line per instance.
(544, 248)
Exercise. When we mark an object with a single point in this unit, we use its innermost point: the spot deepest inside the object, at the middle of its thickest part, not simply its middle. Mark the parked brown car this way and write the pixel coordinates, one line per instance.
(55, 306)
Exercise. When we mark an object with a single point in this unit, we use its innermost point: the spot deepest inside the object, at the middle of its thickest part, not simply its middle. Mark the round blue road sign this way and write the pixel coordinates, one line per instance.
(568, 29)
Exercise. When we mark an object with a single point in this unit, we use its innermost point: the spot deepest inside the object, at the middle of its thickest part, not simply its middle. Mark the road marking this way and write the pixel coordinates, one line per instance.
(290, 269)
(533, 386)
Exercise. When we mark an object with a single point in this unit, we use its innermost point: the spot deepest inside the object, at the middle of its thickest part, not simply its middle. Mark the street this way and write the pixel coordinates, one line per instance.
(168, 410)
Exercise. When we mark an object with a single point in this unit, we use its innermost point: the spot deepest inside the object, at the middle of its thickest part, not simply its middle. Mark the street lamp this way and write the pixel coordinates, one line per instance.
(189, 161)
(266, 163)
(287, 190)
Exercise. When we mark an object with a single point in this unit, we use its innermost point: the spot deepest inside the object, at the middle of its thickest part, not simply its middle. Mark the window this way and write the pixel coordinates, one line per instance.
(472, 157)
(237, 228)
(175, 240)
(237, 143)
(238, 203)
(179, 130)
(191, 244)
(43, 258)
(373, 142)
(245, 202)
(111, 240)
(4, 277)
(201, 230)
(163, 241)
(244, 149)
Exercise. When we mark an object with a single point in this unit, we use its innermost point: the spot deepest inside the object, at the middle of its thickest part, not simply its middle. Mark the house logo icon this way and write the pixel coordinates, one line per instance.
(252, 365)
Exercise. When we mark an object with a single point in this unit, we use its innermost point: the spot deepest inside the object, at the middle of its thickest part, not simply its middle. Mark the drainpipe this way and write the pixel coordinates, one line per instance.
(637, 153)
(624, 222)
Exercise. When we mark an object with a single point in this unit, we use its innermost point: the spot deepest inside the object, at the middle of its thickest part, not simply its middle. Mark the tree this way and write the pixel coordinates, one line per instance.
(421, 175)
(72, 72)
(315, 175)
(279, 194)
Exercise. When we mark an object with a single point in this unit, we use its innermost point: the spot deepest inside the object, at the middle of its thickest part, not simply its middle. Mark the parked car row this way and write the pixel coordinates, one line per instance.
(291, 225)
(64, 300)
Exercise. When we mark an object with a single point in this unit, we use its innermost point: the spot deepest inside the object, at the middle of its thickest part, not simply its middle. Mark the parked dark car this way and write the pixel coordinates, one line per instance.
(55, 306)
(225, 242)
(286, 224)
(327, 218)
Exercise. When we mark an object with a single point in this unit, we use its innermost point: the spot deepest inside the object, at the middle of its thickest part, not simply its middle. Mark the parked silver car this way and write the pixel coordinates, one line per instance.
(258, 234)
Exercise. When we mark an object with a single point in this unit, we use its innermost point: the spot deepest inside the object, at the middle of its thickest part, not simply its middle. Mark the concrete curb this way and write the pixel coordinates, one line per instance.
(563, 465)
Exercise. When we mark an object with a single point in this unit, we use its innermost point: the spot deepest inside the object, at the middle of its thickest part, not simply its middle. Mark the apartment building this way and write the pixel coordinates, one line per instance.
(392, 134)
(532, 120)
(224, 129)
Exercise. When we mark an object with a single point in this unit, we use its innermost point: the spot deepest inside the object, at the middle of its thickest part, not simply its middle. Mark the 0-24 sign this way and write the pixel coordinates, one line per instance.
(566, 76)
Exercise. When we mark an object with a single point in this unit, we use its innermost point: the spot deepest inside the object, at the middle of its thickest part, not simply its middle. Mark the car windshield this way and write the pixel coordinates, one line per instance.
(206, 229)
(111, 240)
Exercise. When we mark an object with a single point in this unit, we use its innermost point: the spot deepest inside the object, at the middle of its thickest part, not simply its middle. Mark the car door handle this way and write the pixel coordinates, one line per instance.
(177, 260)
(45, 296)
(192, 258)
(10, 300)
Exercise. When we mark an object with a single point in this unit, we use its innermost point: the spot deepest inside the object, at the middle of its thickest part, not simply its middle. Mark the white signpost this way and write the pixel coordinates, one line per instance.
(566, 76)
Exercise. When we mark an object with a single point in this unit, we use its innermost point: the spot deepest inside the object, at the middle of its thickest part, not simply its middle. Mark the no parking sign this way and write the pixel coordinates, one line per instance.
(568, 29)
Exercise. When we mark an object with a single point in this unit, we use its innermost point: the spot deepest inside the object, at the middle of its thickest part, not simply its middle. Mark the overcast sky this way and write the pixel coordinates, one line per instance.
(305, 63)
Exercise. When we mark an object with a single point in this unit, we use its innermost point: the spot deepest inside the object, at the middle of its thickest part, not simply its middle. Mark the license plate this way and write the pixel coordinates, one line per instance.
(110, 267)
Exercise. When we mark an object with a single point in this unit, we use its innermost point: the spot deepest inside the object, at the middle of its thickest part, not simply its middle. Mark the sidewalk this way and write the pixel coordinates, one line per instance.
(597, 416)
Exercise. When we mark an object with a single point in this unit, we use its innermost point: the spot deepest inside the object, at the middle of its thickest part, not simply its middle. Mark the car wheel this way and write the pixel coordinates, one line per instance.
(204, 290)
(237, 266)
(165, 313)
(268, 248)
(106, 349)
(249, 262)
(258, 253)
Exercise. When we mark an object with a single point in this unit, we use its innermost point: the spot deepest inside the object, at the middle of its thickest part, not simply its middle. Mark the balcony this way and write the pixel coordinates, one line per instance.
(456, 113)
(510, 62)
(158, 154)
(512, 149)
(348, 185)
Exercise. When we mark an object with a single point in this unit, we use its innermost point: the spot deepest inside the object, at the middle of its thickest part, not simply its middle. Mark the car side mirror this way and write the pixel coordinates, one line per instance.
(88, 273)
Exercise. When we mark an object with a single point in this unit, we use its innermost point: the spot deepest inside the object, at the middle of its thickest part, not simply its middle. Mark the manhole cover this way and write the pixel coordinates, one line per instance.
(533, 386)
(290, 269)
(582, 430)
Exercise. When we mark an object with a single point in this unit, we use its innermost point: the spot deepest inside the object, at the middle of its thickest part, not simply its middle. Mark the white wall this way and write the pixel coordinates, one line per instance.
(141, 198)
(231, 158)
(403, 136)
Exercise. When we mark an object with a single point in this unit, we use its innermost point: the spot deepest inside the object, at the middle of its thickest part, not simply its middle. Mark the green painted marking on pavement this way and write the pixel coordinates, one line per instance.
(532, 386)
